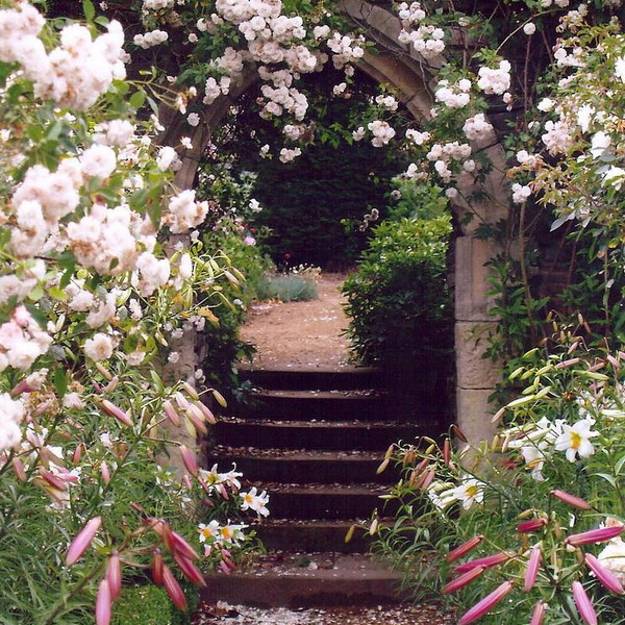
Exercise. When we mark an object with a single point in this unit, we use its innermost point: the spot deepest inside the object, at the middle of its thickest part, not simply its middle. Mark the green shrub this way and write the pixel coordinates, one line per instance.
(398, 298)
(146, 605)
(286, 288)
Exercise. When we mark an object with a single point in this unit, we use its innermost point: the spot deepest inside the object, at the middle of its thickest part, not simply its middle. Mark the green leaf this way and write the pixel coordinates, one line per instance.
(137, 100)
(88, 9)
(60, 379)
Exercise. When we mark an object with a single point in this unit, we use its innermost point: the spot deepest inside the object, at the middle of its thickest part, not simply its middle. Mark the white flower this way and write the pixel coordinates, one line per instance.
(545, 105)
(256, 502)
(73, 401)
(619, 68)
(600, 142)
(584, 116)
(615, 176)
(99, 347)
(193, 119)
(98, 161)
(520, 193)
(535, 461)
(529, 28)
(11, 415)
(612, 557)
(166, 158)
(470, 491)
(575, 439)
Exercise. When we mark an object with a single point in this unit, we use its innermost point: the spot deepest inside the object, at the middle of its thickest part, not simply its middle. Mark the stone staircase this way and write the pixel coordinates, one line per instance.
(314, 439)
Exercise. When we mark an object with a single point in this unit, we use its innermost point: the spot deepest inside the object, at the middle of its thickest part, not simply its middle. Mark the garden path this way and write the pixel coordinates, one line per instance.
(301, 334)
(312, 433)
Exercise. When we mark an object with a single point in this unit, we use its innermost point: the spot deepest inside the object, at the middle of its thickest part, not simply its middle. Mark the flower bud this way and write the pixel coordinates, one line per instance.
(83, 540)
(103, 604)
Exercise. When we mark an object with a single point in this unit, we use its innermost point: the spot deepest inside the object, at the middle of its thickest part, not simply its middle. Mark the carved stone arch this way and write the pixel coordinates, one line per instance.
(401, 67)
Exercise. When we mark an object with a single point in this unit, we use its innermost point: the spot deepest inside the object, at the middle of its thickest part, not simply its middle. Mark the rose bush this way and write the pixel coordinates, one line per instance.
(95, 294)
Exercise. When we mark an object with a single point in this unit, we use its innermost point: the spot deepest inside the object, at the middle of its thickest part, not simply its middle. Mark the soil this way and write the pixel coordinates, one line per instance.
(224, 614)
(301, 334)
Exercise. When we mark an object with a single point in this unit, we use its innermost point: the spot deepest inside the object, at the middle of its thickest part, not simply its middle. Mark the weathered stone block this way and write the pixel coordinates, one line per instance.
(473, 371)
(471, 280)
(475, 413)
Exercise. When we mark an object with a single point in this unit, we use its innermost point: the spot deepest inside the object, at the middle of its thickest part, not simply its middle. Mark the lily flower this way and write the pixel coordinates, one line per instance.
(103, 604)
(486, 562)
(485, 605)
(604, 575)
(571, 500)
(575, 440)
(590, 537)
(462, 550)
(584, 605)
(538, 614)
(463, 580)
(83, 540)
(531, 572)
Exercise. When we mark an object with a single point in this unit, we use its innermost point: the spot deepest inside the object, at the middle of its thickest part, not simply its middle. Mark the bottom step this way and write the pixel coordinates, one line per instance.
(306, 580)
(313, 535)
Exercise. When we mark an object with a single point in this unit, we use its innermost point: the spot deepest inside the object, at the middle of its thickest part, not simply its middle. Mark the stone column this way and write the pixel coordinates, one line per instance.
(476, 376)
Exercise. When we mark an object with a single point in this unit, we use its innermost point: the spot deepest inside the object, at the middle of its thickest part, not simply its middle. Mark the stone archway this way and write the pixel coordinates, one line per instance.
(399, 66)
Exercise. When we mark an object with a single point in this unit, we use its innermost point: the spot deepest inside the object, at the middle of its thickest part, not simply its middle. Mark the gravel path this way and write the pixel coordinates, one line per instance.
(224, 614)
(301, 334)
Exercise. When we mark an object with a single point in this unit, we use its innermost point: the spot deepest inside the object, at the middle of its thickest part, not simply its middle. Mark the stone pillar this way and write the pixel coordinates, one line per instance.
(476, 376)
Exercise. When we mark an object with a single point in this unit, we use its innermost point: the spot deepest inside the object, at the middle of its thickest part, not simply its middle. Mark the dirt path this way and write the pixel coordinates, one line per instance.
(301, 334)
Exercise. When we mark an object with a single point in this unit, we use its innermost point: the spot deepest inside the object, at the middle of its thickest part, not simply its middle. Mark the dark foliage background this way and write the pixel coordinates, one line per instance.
(313, 206)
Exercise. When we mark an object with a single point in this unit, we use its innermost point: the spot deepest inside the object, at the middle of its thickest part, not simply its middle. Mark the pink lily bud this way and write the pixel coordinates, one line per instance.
(189, 460)
(463, 580)
(54, 480)
(584, 605)
(114, 575)
(77, 455)
(21, 387)
(157, 567)
(171, 413)
(446, 452)
(487, 562)
(19, 470)
(172, 587)
(198, 424)
(189, 570)
(222, 490)
(83, 540)
(604, 575)
(190, 390)
(103, 603)
(105, 473)
(112, 385)
(538, 614)
(532, 525)
(531, 573)
(571, 500)
(590, 537)
(485, 605)
(462, 550)
(427, 479)
(208, 415)
(178, 544)
(112, 410)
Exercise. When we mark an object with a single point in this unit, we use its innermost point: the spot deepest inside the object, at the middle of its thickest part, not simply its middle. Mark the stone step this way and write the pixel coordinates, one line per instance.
(307, 580)
(330, 435)
(323, 501)
(313, 535)
(362, 405)
(303, 378)
(290, 466)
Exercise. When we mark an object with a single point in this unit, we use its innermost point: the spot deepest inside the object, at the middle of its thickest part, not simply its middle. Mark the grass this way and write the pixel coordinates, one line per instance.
(287, 288)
